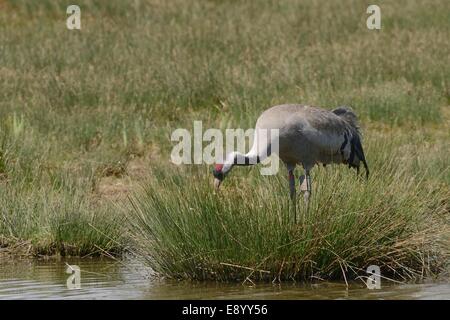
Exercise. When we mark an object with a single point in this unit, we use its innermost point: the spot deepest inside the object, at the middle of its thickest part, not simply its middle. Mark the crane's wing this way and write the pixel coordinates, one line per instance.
(326, 131)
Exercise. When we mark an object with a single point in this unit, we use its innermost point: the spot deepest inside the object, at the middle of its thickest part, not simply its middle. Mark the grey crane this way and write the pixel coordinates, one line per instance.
(307, 136)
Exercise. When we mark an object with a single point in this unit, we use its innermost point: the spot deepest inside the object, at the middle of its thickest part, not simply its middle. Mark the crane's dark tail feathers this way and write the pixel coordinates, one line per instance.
(359, 151)
(350, 117)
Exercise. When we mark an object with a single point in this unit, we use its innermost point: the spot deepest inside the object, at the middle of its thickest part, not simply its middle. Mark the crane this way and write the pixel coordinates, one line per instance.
(308, 135)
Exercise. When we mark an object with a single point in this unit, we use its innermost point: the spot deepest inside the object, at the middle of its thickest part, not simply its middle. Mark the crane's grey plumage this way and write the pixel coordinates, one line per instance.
(307, 136)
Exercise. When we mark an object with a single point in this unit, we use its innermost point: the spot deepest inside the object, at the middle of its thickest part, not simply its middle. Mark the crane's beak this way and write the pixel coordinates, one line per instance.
(217, 184)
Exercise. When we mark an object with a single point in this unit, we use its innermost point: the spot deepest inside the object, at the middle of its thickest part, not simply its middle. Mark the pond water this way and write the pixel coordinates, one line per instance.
(110, 279)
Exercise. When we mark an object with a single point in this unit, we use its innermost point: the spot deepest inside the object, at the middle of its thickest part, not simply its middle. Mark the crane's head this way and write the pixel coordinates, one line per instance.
(219, 175)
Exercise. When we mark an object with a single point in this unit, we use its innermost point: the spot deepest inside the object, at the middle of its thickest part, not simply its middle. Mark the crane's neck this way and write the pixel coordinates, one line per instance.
(239, 159)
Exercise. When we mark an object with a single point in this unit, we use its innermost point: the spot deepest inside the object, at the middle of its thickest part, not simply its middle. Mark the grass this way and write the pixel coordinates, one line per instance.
(86, 117)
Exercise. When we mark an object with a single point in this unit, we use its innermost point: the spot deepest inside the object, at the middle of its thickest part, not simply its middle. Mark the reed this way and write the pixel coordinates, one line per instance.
(396, 220)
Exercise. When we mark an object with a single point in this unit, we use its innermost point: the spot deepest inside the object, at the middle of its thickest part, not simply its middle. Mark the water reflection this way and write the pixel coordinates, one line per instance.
(108, 279)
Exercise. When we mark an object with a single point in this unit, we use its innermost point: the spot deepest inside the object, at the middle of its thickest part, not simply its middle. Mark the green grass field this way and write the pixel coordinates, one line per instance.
(86, 118)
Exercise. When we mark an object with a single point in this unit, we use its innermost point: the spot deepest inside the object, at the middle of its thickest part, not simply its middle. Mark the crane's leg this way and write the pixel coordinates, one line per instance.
(292, 189)
(308, 191)
(292, 184)
(305, 185)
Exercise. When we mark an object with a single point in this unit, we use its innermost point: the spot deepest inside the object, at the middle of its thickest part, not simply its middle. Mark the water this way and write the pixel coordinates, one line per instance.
(109, 279)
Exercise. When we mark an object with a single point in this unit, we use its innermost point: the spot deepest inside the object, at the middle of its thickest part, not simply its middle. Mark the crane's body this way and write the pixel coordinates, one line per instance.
(307, 136)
